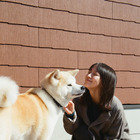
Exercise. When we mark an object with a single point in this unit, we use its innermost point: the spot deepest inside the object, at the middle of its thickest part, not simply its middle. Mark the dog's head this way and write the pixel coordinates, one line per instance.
(61, 85)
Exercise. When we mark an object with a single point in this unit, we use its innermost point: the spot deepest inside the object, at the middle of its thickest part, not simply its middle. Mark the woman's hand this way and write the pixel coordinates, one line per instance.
(70, 108)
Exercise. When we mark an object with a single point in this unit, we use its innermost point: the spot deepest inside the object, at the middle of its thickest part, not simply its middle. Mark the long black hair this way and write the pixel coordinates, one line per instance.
(108, 84)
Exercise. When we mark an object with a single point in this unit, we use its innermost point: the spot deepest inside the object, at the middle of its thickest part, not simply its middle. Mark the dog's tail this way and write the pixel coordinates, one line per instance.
(8, 91)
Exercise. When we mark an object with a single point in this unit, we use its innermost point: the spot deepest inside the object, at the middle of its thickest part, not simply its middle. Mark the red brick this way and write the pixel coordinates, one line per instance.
(125, 46)
(34, 2)
(65, 5)
(135, 64)
(49, 59)
(33, 56)
(128, 79)
(57, 19)
(66, 59)
(13, 55)
(22, 75)
(55, 39)
(126, 12)
(86, 59)
(57, 58)
(80, 77)
(19, 55)
(2, 11)
(37, 57)
(100, 8)
(74, 41)
(3, 56)
(118, 62)
(88, 24)
(32, 36)
(72, 61)
(43, 58)
(132, 2)
(25, 15)
(13, 16)
(16, 34)
(95, 25)
(104, 8)
(128, 95)
(109, 27)
(33, 16)
(123, 62)
(125, 29)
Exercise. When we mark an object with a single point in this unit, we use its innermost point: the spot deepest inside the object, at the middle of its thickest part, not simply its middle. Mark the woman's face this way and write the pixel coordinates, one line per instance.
(92, 79)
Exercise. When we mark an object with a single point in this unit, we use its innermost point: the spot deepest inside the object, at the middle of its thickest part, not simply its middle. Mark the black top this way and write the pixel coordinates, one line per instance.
(93, 111)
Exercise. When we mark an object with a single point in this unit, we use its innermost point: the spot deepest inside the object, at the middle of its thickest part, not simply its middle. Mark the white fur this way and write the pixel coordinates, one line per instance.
(8, 91)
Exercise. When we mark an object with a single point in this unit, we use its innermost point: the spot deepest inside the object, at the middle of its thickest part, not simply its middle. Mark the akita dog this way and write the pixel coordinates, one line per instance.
(33, 115)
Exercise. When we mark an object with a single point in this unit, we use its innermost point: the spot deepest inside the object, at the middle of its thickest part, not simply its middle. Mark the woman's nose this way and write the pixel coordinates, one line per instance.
(89, 75)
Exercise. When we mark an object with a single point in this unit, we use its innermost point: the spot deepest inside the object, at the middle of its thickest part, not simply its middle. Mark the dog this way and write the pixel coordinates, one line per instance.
(33, 114)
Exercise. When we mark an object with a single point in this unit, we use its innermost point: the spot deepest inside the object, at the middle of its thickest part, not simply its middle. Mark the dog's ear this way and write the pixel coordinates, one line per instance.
(52, 77)
(56, 74)
(74, 72)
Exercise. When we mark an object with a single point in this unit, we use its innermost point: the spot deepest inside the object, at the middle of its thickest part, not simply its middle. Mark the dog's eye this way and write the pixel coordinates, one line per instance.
(69, 85)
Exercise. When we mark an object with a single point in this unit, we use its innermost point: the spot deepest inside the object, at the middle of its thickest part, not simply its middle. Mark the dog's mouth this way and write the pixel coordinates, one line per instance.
(80, 92)
(83, 89)
(77, 95)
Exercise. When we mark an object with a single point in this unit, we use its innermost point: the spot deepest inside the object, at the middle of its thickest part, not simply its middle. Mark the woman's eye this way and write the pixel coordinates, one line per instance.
(69, 85)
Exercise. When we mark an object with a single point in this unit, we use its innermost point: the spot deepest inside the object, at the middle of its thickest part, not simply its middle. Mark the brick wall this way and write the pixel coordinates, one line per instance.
(38, 36)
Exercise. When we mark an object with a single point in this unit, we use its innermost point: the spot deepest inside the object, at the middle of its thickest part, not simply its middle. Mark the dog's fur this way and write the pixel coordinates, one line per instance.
(32, 115)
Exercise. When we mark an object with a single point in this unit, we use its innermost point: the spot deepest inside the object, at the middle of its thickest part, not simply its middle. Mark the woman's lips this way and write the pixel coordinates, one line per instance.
(88, 80)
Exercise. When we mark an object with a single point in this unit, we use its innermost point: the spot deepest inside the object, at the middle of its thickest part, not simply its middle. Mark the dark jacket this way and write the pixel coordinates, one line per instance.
(110, 125)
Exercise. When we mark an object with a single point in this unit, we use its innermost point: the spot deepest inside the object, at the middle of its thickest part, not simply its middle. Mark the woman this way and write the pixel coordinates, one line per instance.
(98, 114)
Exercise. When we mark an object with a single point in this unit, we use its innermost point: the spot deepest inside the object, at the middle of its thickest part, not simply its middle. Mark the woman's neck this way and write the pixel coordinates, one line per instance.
(95, 95)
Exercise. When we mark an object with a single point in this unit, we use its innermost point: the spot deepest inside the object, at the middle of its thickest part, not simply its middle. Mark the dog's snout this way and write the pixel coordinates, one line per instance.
(82, 88)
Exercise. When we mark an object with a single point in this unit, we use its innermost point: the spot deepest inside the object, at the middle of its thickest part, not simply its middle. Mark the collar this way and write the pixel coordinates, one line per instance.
(58, 104)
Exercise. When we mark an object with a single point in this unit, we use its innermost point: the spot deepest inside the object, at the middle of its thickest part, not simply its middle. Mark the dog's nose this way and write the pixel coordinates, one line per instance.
(83, 88)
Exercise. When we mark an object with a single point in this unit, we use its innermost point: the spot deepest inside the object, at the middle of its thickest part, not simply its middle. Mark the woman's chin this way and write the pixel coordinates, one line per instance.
(86, 86)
